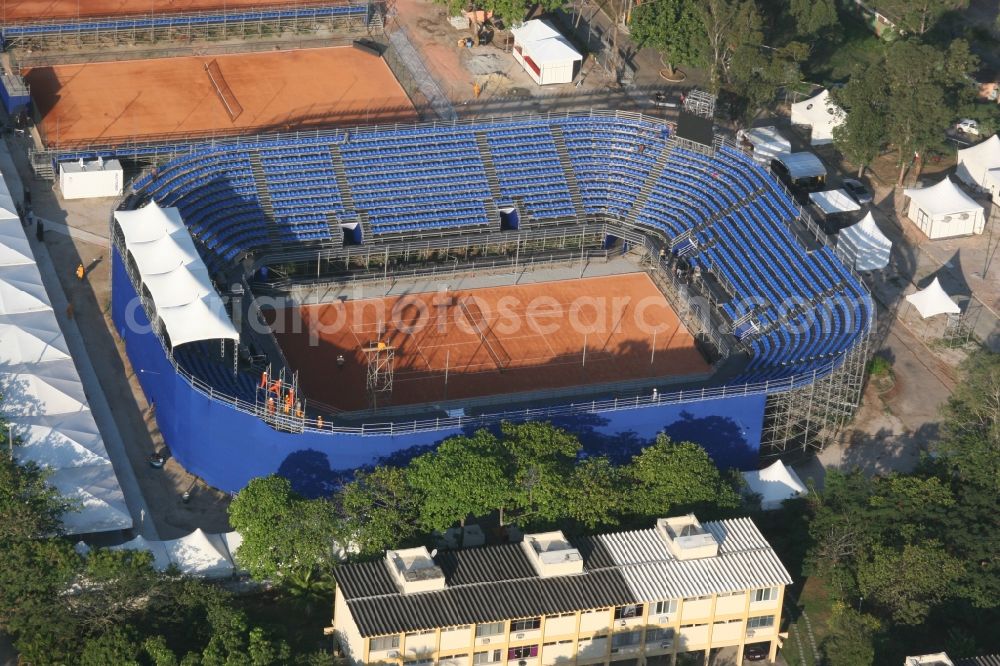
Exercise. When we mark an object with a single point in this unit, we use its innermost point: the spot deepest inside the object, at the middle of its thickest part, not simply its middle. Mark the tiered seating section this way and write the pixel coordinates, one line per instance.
(202, 361)
(805, 307)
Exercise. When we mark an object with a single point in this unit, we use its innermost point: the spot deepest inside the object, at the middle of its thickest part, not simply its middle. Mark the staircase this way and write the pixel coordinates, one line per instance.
(375, 24)
(340, 173)
(651, 180)
(260, 181)
(571, 183)
(488, 166)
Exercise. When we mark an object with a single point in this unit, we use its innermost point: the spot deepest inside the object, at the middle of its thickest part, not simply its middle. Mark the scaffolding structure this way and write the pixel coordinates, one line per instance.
(700, 103)
(278, 401)
(185, 27)
(381, 359)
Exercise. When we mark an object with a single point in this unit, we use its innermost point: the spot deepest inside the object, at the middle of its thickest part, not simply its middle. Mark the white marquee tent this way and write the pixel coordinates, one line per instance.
(44, 398)
(933, 300)
(197, 554)
(544, 53)
(171, 269)
(832, 202)
(979, 166)
(867, 244)
(767, 143)
(775, 484)
(944, 210)
(821, 114)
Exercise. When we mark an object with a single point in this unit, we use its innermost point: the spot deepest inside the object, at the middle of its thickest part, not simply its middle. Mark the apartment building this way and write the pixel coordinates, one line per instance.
(679, 593)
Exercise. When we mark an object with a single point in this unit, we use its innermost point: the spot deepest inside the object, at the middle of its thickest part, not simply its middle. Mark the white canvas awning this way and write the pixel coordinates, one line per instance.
(173, 272)
(197, 554)
(834, 201)
(43, 396)
(767, 142)
(14, 247)
(933, 300)
(802, 165)
(775, 484)
(976, 162)
(22, 290)
(867, 244)
(945, 198)
(821, 114)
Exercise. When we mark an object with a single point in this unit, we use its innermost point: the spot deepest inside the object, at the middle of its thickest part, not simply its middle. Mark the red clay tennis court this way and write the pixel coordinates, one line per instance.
(34, 10)
(194, 96)
(462, 344)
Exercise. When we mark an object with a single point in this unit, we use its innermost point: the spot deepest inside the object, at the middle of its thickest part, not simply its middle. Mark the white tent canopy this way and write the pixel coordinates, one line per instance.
(174, 274)
(775, 484)
(933, 300)
(821, 114)
(834, 201)
(867, 244)
(802, 165)
(979, 166)
(767, 142)
(944, 210)
(544, 53)
(43, 396)
(197, 554)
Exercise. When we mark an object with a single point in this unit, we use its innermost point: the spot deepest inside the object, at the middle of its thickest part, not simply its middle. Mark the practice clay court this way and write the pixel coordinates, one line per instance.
(462, 344)
(33, 10)
(214, 95)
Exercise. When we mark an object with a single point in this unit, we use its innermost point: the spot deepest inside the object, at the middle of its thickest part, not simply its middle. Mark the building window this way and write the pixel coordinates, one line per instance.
(383, 643)
(525, 625)
(660, 635)
(486, 657)
(624, 612)
(522, 652)
(449, 657)
(626, 639)
(490, 629)
(760, 621)
(765, 594)
(665, 607)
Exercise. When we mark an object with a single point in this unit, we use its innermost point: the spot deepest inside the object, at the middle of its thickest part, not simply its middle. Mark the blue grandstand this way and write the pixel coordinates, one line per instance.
(796, 310)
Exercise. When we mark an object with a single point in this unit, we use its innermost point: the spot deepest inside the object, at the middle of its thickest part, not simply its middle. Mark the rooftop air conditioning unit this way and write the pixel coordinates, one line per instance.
(624, 623)
(664, 619)
(486, 641)
(522, 663)
(392, 654)
(519, 636)
(614, 650)
(750, 633)
(666, 644)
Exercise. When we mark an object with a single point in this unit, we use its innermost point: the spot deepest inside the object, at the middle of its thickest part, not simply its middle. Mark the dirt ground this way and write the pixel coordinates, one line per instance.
(279, 90)
(508, 339)
(32, 10)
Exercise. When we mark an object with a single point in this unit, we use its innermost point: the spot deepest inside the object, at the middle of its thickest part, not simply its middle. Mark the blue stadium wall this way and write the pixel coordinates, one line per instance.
(227, 447)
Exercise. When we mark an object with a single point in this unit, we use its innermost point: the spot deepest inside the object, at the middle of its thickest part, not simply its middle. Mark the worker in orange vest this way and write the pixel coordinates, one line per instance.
(80, 272)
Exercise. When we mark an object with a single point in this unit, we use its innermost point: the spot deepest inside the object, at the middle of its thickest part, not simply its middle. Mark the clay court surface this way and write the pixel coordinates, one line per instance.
(502, 340)
(33, 10)
(171, 97)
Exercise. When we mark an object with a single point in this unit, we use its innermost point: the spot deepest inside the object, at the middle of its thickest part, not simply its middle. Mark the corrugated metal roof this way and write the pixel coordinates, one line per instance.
(499, 583)
(985, 660)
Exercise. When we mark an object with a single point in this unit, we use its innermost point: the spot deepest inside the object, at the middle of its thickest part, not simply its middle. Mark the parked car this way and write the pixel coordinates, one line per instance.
(858, 191)
(967, 126)
(756, 651)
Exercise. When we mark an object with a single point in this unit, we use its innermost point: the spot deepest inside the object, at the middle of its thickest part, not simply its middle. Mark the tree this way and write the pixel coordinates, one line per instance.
(592, 495)
(918, 16)
(112, 646)
(670, 477)
(463, 476)
(379, 510)
(539, 459)
(851, 639)
(970, 442)
(756, 74)
(29, 507)
(864, 131)
(814, 17)
(924, 90)
(286, 538)
(673, 27)
(730, 25)
(909, 582)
